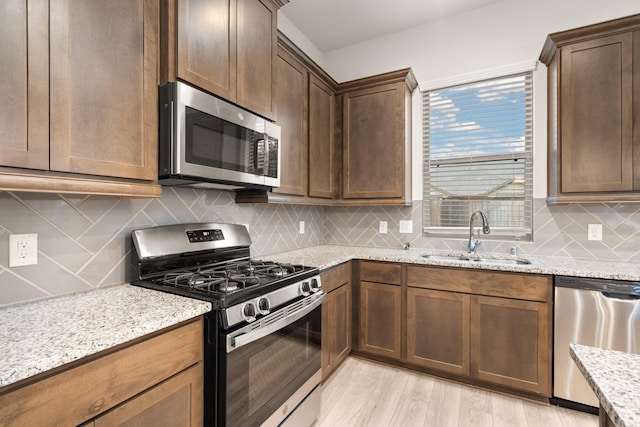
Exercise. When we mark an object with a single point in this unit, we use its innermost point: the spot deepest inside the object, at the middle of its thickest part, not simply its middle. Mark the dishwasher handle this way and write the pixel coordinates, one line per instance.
(626, 297)
(619, 288)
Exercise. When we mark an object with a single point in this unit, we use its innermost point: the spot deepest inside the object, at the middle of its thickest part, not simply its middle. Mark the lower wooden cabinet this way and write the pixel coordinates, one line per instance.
(156, 381)
(336, 318)
(336, 329)
(438, 330)
(495, 327)
(174, 402)
(380, 309)
(510, 343)
(380, 329)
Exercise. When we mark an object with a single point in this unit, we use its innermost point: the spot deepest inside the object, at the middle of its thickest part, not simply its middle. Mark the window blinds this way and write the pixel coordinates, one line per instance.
(478, 141)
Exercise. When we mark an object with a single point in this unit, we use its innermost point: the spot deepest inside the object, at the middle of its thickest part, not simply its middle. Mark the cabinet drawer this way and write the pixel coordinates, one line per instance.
(381, 272)
(532, 287)
(336, 277)
(78, 394)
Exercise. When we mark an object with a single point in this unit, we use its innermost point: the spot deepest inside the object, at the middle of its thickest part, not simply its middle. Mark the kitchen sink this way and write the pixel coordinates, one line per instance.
(472, 258)
(504, 261)
(447, 257)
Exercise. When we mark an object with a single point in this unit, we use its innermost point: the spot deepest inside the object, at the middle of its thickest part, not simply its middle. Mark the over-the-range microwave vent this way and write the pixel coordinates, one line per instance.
(179, 181)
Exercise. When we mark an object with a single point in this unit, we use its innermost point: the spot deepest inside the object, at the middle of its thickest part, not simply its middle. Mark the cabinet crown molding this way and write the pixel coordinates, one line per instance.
(587, 32)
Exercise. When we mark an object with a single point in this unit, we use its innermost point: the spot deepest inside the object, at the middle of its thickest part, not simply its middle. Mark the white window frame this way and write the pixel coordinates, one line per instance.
(522, 232)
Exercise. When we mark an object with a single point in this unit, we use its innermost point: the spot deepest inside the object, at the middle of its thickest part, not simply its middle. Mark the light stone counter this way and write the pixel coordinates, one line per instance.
(615, 378)
(326, 256)
(41, 335)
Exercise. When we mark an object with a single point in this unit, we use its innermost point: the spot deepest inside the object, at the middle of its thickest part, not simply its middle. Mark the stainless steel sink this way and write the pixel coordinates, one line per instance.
(471, 258)
(446, 257)
(505, 261)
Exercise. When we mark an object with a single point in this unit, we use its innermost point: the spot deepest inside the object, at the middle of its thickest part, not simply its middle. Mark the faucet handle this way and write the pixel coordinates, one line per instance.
(474, 245)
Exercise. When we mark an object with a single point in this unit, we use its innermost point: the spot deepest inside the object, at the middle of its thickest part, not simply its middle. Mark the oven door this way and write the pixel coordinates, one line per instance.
(264, 365)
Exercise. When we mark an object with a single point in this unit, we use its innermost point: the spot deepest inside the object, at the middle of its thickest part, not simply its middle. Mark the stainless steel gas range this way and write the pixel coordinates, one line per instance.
(262, 339)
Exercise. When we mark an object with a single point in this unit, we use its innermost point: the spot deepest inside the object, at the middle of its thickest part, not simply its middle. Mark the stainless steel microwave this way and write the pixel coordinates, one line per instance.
(206, 142)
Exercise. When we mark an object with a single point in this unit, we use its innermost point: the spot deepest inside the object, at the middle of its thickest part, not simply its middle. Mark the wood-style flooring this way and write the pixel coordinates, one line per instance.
(366, 393)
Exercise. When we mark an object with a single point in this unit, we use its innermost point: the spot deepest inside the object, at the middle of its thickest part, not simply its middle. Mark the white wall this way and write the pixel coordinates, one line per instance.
(474, 43)
(289, 29)
(503, 33)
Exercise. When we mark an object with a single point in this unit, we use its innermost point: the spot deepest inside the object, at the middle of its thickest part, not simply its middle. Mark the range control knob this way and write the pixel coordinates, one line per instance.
(305, 288)
(249, 312)
(315, 285)
(264, 306)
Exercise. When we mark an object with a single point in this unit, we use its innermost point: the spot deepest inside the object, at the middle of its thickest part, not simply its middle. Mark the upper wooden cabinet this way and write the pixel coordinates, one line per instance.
(322, 152)
(95, 128)
(82, 97)
(226, 47)
(292, 102)
(593, 97)
(376, 137)
(24, 59)
(305, 104)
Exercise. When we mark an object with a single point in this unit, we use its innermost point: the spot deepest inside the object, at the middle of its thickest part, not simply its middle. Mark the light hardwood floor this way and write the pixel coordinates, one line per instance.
(366, 393)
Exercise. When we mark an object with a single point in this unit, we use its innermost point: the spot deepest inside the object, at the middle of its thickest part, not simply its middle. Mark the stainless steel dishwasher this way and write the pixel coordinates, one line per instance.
(596, 312)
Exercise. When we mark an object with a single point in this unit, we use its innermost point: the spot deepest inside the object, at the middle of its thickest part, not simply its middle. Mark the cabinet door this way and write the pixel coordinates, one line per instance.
(636, 109)
(511, 343)
(374, 145)
(104, 77)
(438, 330)
(326, 349)
(341, 327)
(321, 143)
(380, 328)
(596, 107)
(292, 89)
(256, 56)
(24, 61)
(177, 401)
(206, 44)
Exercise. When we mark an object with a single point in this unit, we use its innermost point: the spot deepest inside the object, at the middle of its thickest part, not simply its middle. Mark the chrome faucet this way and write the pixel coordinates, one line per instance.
(474, 244)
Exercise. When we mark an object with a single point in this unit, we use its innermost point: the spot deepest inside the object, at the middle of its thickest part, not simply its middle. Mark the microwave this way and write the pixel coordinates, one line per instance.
(206, 142)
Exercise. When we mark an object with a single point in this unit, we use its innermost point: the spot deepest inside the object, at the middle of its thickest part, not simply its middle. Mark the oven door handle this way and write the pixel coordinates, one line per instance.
(235, 342)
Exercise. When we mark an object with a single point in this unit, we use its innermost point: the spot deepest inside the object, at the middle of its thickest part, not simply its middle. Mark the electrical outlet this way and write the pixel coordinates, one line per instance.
(301, 227)
(382, 227)
(23, 249)
(595, 232)
(406, 226)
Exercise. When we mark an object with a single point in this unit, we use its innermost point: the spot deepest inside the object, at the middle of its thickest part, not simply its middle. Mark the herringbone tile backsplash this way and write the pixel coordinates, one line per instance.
(84, 241)
(559, 230)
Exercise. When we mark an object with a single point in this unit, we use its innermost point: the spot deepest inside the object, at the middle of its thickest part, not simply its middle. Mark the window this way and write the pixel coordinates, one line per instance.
(478, 155)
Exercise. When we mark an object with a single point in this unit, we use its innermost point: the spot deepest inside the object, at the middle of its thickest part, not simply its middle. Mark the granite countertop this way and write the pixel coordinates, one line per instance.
(614, 378)
(42, 335)
(326, 256)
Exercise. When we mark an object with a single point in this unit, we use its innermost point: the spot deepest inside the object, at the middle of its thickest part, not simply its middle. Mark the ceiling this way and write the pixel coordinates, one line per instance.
(333, 24)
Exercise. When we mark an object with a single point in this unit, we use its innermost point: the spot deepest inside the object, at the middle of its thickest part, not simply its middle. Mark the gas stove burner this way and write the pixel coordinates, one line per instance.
(281, 270)
(228, 286)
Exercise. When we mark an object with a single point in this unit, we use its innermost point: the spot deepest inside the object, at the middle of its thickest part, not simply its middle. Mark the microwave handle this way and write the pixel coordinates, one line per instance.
(265, 159)
(256, 154)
